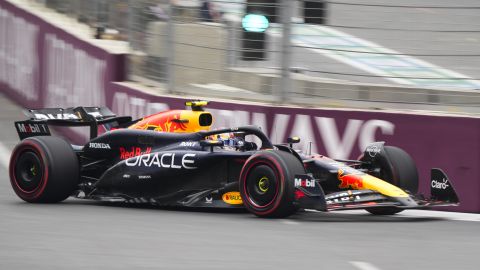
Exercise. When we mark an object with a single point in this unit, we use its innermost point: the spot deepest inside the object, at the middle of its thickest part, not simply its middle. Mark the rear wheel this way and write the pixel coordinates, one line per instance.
(43, 169)
(398, 168)
(267, 183)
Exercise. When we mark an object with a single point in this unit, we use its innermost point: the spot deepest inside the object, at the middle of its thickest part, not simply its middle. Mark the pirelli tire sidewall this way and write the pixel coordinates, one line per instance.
(58, 168)
(281, 165)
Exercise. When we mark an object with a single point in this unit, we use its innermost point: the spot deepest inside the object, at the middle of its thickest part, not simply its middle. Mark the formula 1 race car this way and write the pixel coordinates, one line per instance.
(173, 159)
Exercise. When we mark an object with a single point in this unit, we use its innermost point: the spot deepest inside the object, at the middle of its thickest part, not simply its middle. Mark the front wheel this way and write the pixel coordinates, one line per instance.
(398, 168)
(43, 169)
(267, 183)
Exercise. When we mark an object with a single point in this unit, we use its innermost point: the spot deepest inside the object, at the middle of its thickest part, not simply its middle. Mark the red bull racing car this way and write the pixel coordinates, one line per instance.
(173, 158)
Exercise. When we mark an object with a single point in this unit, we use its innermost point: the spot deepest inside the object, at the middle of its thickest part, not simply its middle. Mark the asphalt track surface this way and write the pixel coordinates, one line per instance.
(80, 234)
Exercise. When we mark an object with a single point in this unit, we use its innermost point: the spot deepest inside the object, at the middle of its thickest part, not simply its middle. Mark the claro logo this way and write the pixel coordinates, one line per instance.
(440, 184)
(165, 160)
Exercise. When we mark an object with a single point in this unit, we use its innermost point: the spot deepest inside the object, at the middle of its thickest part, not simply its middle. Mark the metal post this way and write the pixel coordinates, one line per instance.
(97, 13)
(286, 82)
(170, 49)
(285, 87)
(130, 24)
(231, 34)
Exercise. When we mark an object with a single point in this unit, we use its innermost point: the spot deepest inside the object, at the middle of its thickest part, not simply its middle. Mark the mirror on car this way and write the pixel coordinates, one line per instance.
(293, 140)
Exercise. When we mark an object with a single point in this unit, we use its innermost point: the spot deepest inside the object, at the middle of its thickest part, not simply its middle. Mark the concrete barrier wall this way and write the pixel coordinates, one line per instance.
(200, 52)
(41, 65)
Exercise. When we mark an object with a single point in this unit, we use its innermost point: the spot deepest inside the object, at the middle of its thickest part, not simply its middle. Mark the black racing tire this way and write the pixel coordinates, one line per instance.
(398, 168)
(267, 183)
(44, 169)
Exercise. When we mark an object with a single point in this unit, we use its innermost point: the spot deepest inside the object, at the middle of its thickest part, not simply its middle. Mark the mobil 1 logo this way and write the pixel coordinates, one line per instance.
(27, 129)
(304, 181)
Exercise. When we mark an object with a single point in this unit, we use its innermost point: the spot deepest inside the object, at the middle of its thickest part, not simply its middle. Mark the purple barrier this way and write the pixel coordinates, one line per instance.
(43, 66)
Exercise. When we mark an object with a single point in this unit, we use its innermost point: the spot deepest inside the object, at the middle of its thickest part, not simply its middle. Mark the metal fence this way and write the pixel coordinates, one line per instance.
(310, 49)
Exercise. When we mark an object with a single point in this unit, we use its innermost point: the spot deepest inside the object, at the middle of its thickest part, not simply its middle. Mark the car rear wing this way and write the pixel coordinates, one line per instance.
(39, 120)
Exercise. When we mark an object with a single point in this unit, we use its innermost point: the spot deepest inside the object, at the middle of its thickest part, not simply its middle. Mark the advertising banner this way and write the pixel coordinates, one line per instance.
(42, 65)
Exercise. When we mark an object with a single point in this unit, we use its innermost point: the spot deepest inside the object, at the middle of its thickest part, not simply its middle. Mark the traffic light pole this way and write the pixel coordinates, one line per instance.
(170, 40)
(286, 82)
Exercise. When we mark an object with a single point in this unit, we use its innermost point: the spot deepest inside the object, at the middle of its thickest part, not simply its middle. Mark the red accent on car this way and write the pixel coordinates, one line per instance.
(38, 191)
(299, 194)
(278, 174)
(350, 180)
(133, 152)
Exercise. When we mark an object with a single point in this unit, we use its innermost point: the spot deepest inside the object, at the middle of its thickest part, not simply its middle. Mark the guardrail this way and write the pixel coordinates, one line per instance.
(45, 66)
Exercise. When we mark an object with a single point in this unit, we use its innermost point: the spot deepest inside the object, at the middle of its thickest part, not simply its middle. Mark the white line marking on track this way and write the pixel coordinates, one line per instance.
(440, 214)
(364, 265)
(418, 214)
(4, 155)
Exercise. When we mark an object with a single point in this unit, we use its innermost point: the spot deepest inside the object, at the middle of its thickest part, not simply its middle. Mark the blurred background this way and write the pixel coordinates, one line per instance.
(371, 53)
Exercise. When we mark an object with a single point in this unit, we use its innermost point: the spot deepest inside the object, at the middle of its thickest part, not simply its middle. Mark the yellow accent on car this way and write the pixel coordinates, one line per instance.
(196, 103)
(385, 188)
(232, 197)
(194, 123)
(263, 184)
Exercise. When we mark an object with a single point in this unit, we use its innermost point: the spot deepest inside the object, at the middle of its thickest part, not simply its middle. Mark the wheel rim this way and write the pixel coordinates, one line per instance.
(29, 172)
(262, 186)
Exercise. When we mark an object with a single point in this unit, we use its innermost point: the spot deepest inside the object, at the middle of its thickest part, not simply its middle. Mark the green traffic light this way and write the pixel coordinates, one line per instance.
(255, 23)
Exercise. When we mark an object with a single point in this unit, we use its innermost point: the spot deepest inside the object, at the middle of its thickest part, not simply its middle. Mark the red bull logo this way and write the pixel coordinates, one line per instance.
(133, 152)
(173, 124)
(349, 180)
(166, 122)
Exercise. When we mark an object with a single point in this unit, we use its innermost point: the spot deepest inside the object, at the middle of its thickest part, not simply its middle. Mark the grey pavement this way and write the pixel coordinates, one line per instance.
(426, 42)
(362, 22)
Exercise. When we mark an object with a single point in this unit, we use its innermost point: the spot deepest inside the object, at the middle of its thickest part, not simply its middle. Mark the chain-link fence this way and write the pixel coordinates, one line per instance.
(293, 48)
